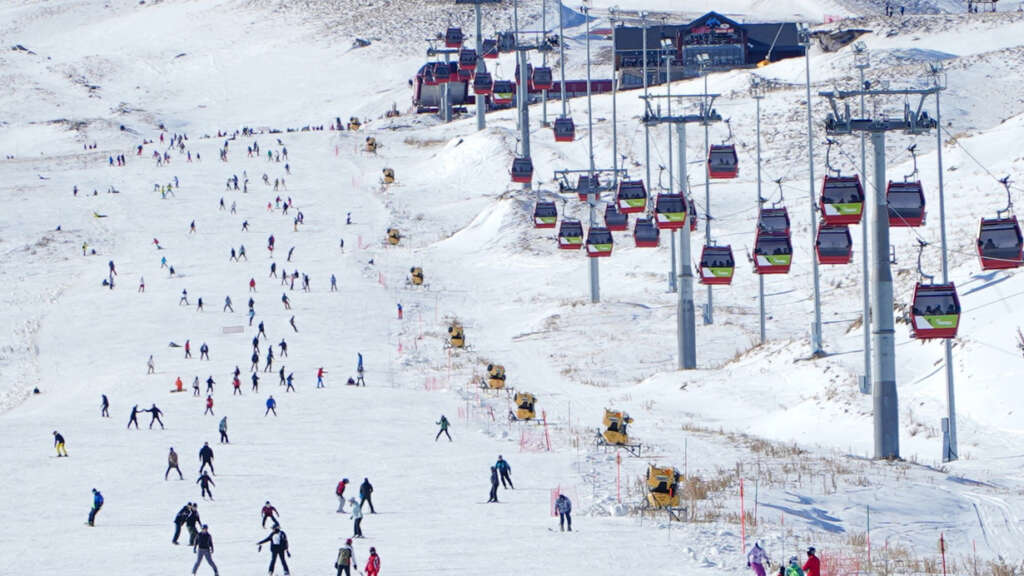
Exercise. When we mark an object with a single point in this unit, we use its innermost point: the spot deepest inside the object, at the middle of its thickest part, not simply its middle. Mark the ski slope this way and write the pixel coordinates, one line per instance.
(794, 429)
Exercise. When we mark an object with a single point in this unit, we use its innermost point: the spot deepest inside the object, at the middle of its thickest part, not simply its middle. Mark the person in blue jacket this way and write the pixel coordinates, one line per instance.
(97, 503)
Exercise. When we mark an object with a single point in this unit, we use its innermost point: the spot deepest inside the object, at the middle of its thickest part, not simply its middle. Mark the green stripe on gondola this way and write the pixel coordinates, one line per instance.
(943, 321)
(778, 259)
(634, 202)
(572, 239)
(547, 219)
(719, 272)
(601, 247)
(673, 216)
(851, 209)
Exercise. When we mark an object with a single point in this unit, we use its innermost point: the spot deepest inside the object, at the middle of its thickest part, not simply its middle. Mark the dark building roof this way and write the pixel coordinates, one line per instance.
(765, 33)
(631, 38)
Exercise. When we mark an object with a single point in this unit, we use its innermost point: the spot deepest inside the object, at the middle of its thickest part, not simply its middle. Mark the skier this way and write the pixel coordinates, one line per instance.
(206, 458)
(195, 386)
(205, 482)
(366, 495)
(58, 443)
(237, 385)
(188, 348)
(155, 416)
(252, 284)
(262, 331)
(288, 382)
(284, 300)
(192, 522)
(359, 369)
(270, 359)
(757, 559)
(373, 563)
(320, 377)
(204, 351)
(271, 405)
(505, 471)
(199, 304)
(345, 559)
(255, 382)
(209, 406)
(227, 304)
(133, 418)
(339, 491)
(443, 423)
(357, 518)
(97, 503)
(179, 521)
(278, 548)
(184, 298)
(399, 310)
(290, 251)
(494, 485)
(564, 508)
(270, 512)
(104, 406)
(172, 464)
(813, 566)
(334, 283)
(203, 547)
(794, 567)
(223, 428)
(255, 362)
(292, 322)
(284, 348)
(150, 365)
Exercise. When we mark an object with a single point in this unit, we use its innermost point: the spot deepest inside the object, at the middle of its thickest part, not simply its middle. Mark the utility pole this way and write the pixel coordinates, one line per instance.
(914, 122)
(666, 55)
(862, 60)
(615, 116)
(703, 61)
(592, 198)
(647, 133)
(686, 332)
(757, 91)
(816, 346)
(950, 452)
(481, 120)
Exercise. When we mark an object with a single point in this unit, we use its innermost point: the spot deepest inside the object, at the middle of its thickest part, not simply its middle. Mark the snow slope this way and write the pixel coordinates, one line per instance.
(767, 414)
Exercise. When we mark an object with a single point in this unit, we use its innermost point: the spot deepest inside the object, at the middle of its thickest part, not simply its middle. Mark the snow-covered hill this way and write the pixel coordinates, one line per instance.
(795, 430)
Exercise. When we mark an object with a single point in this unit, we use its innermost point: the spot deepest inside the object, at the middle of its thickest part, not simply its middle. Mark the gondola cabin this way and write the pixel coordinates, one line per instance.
(670, 211)
(722, 161)
(693, 215)
(631, 196)
(490, 48)
(599, 242)
(506, 42)
(541, 78)
(1000, 245)
(717, 265)
(935, 312)
(394, 236)
(616, 427)
(842, 200)
(495, 376)
(442, 72)
(614, 220)
(483, 83)
(773, 253)
(416, 276)
(503, 92)
(456, 335)
(545, 215)
(453, 38)
(570, 235)
(522, 169)
(585, 185)
(906, 204)
(834, 244)
(467, 59)
(646, 234)
(663, 486)
(525, 406)
(565, 129)
(773, 221)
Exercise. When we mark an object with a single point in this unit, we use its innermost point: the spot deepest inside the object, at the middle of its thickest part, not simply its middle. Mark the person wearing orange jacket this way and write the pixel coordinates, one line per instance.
(373, 563)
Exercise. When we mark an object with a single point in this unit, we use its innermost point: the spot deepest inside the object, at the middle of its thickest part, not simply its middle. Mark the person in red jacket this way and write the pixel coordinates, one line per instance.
(373, 563)
(813, 566)
(340, 493)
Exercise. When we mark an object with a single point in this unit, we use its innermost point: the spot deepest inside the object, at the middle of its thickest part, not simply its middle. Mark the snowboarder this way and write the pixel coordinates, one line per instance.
(345, 559)
(373, 563)
(339, 491)
(104, 406)
(269, 512)
(223, 428)
(155, 413)
(206, 458)
(357, 518)
(179, 521)
(757, 559)
(813, 566)
(564, 508)
(133, 418)
(271, 405)
(58, 443)
(366, 495)
(205, 482)
(203, 547)
(278, 548)
(97, 503)
(172, 464)
(209, 406)
(443, 423)
(505, 471)
(494, 485)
